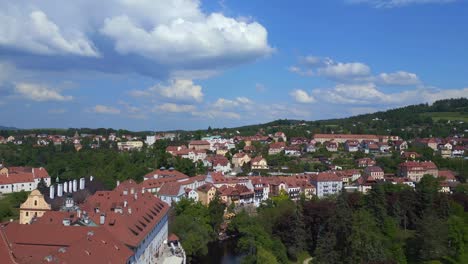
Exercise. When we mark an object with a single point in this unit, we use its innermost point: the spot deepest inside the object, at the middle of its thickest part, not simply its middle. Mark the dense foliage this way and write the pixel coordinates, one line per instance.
(105, 163)
(391, 224)
(197, 225)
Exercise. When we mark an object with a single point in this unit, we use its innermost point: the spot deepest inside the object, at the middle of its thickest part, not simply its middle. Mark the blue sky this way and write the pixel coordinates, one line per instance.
(187, 64)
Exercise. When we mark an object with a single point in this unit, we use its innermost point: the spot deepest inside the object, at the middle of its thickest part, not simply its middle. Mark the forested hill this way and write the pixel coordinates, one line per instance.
(440, 119)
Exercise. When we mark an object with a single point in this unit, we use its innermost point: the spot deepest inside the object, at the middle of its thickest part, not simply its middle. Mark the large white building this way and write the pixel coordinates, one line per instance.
(327, 183)
(16, 179)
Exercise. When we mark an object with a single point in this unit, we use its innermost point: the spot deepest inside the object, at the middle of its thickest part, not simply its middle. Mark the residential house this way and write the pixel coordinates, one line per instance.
(458, 151)
(400, 145)
(171, 192)
(199, 145)
(299, 141)
(279, 135)
(365, 162)
(351, 145)
(375, 172)
(292, 151)
(310, 148)
(238, 194)
(276, 148)
(415, 170)
(206, 193)
(239, 159)
(259, 163)
(331, 146)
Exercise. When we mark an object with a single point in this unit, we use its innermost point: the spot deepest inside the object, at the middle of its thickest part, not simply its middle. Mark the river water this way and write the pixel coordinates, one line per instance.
(223, 252)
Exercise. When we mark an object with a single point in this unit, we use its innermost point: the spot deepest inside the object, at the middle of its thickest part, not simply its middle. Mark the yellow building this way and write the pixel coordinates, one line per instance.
(206, 193)
(130, 145)
(34, 206)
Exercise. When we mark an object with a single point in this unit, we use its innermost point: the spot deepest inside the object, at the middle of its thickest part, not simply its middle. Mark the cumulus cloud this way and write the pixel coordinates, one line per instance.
(302, 96)
(178, 90)
(175, 108)
(398, 78)
(216, 114)
(183, 39)
(178, 38)
(40, 93)
(223, 103)
(104, 109)
(397, 3)
(370, 94)
(350, 72)
(37, 34)
(344, 70)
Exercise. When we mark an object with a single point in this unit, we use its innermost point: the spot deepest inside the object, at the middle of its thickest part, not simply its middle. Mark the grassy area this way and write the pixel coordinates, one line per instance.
(9, 205)
(436, 116)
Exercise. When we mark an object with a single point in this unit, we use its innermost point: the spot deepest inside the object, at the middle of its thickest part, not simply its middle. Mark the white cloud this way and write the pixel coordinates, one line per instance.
(344, 70)
(370, 94)
(175, 108)
(223, 103)
(179, 37)
(302, 96)
(398, 3)
(182, 90)
(186, 39)
(40, 93)
(178, 90)
(398, 78)
(103, 109)
(35, 33)
(216, 114)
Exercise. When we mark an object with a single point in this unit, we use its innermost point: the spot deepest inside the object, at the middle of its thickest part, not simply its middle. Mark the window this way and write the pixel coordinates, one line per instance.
(27, 213)
(35, 202)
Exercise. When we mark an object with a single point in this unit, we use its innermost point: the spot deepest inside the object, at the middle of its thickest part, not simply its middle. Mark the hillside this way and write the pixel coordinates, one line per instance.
(441, 119)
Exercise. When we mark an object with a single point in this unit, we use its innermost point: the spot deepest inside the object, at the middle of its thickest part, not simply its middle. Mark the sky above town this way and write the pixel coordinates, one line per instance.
(188, 64)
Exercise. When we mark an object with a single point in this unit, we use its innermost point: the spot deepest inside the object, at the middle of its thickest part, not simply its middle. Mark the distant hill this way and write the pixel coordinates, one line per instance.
(440, 119)
(8, 128)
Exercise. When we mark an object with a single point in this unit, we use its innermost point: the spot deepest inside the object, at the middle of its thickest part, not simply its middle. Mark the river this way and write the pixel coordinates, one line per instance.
(222, 252)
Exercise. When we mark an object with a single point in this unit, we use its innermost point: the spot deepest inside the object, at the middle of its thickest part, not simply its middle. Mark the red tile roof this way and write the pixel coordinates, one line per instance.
(63, 244)
(142, 211)
(170, 189)
(325, 177)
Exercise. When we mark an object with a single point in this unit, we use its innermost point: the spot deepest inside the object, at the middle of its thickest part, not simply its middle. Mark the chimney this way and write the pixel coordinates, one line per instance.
(125, 203)
(65, 187)
(70, 186)
(51, 192)
(82, 183)
(118, 183)
(75, 185)
(102, 219)
(60, 190)
(91, 178)
(78, 213)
